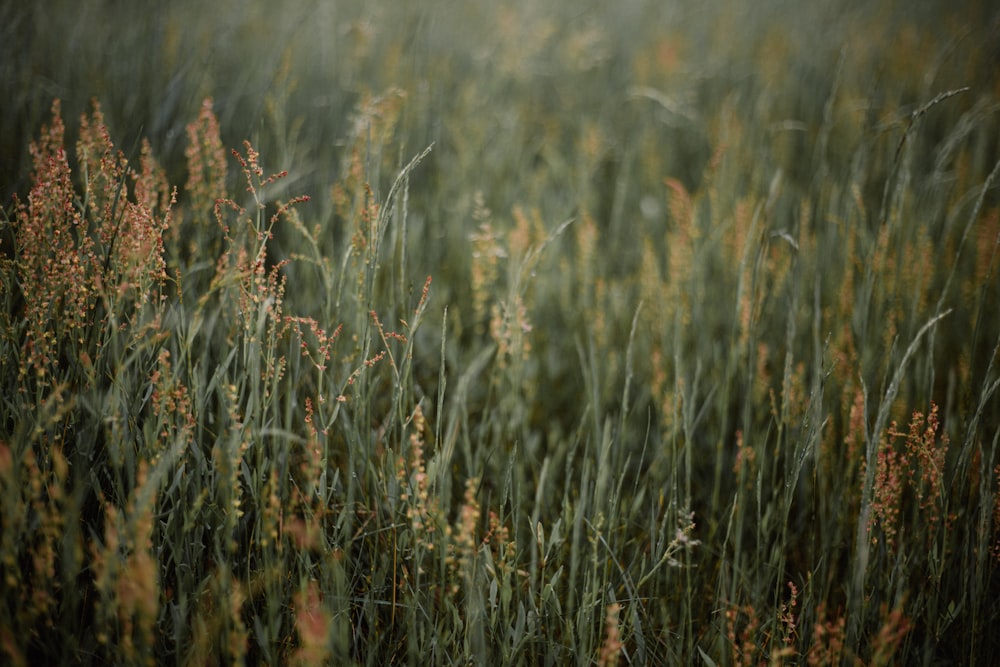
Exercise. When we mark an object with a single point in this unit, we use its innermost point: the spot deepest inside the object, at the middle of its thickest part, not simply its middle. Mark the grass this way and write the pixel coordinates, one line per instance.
(536, 334)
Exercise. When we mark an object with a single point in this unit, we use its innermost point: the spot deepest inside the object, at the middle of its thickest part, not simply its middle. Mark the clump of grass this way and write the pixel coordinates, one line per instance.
(663, 350)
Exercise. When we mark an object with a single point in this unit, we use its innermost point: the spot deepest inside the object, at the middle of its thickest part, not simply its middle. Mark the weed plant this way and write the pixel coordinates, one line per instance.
(529, 333)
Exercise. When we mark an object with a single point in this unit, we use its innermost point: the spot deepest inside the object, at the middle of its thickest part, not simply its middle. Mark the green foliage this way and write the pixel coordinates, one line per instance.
(656, 335)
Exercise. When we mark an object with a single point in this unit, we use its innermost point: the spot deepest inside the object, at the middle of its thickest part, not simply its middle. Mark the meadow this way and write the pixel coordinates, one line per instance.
(527, 333)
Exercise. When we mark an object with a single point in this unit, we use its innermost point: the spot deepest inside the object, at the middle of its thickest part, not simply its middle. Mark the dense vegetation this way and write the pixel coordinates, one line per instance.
(499, 333)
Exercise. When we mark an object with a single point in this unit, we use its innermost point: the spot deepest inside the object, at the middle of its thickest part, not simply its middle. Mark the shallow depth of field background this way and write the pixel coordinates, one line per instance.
(678, 345)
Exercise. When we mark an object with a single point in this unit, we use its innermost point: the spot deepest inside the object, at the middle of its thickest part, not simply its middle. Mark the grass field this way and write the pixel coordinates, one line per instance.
(529, 333)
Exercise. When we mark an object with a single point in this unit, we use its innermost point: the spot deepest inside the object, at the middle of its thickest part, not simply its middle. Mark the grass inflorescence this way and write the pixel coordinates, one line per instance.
(533, 334)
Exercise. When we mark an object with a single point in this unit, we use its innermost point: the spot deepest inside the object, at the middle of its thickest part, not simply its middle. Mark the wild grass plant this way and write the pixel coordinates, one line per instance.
(475, 334)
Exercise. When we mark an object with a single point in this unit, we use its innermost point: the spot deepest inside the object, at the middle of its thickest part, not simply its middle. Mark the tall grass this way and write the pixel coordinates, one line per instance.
(534, 334)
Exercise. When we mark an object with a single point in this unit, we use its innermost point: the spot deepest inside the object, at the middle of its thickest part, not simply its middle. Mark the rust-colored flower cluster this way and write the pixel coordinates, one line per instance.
(90, 264)
(916, 468)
